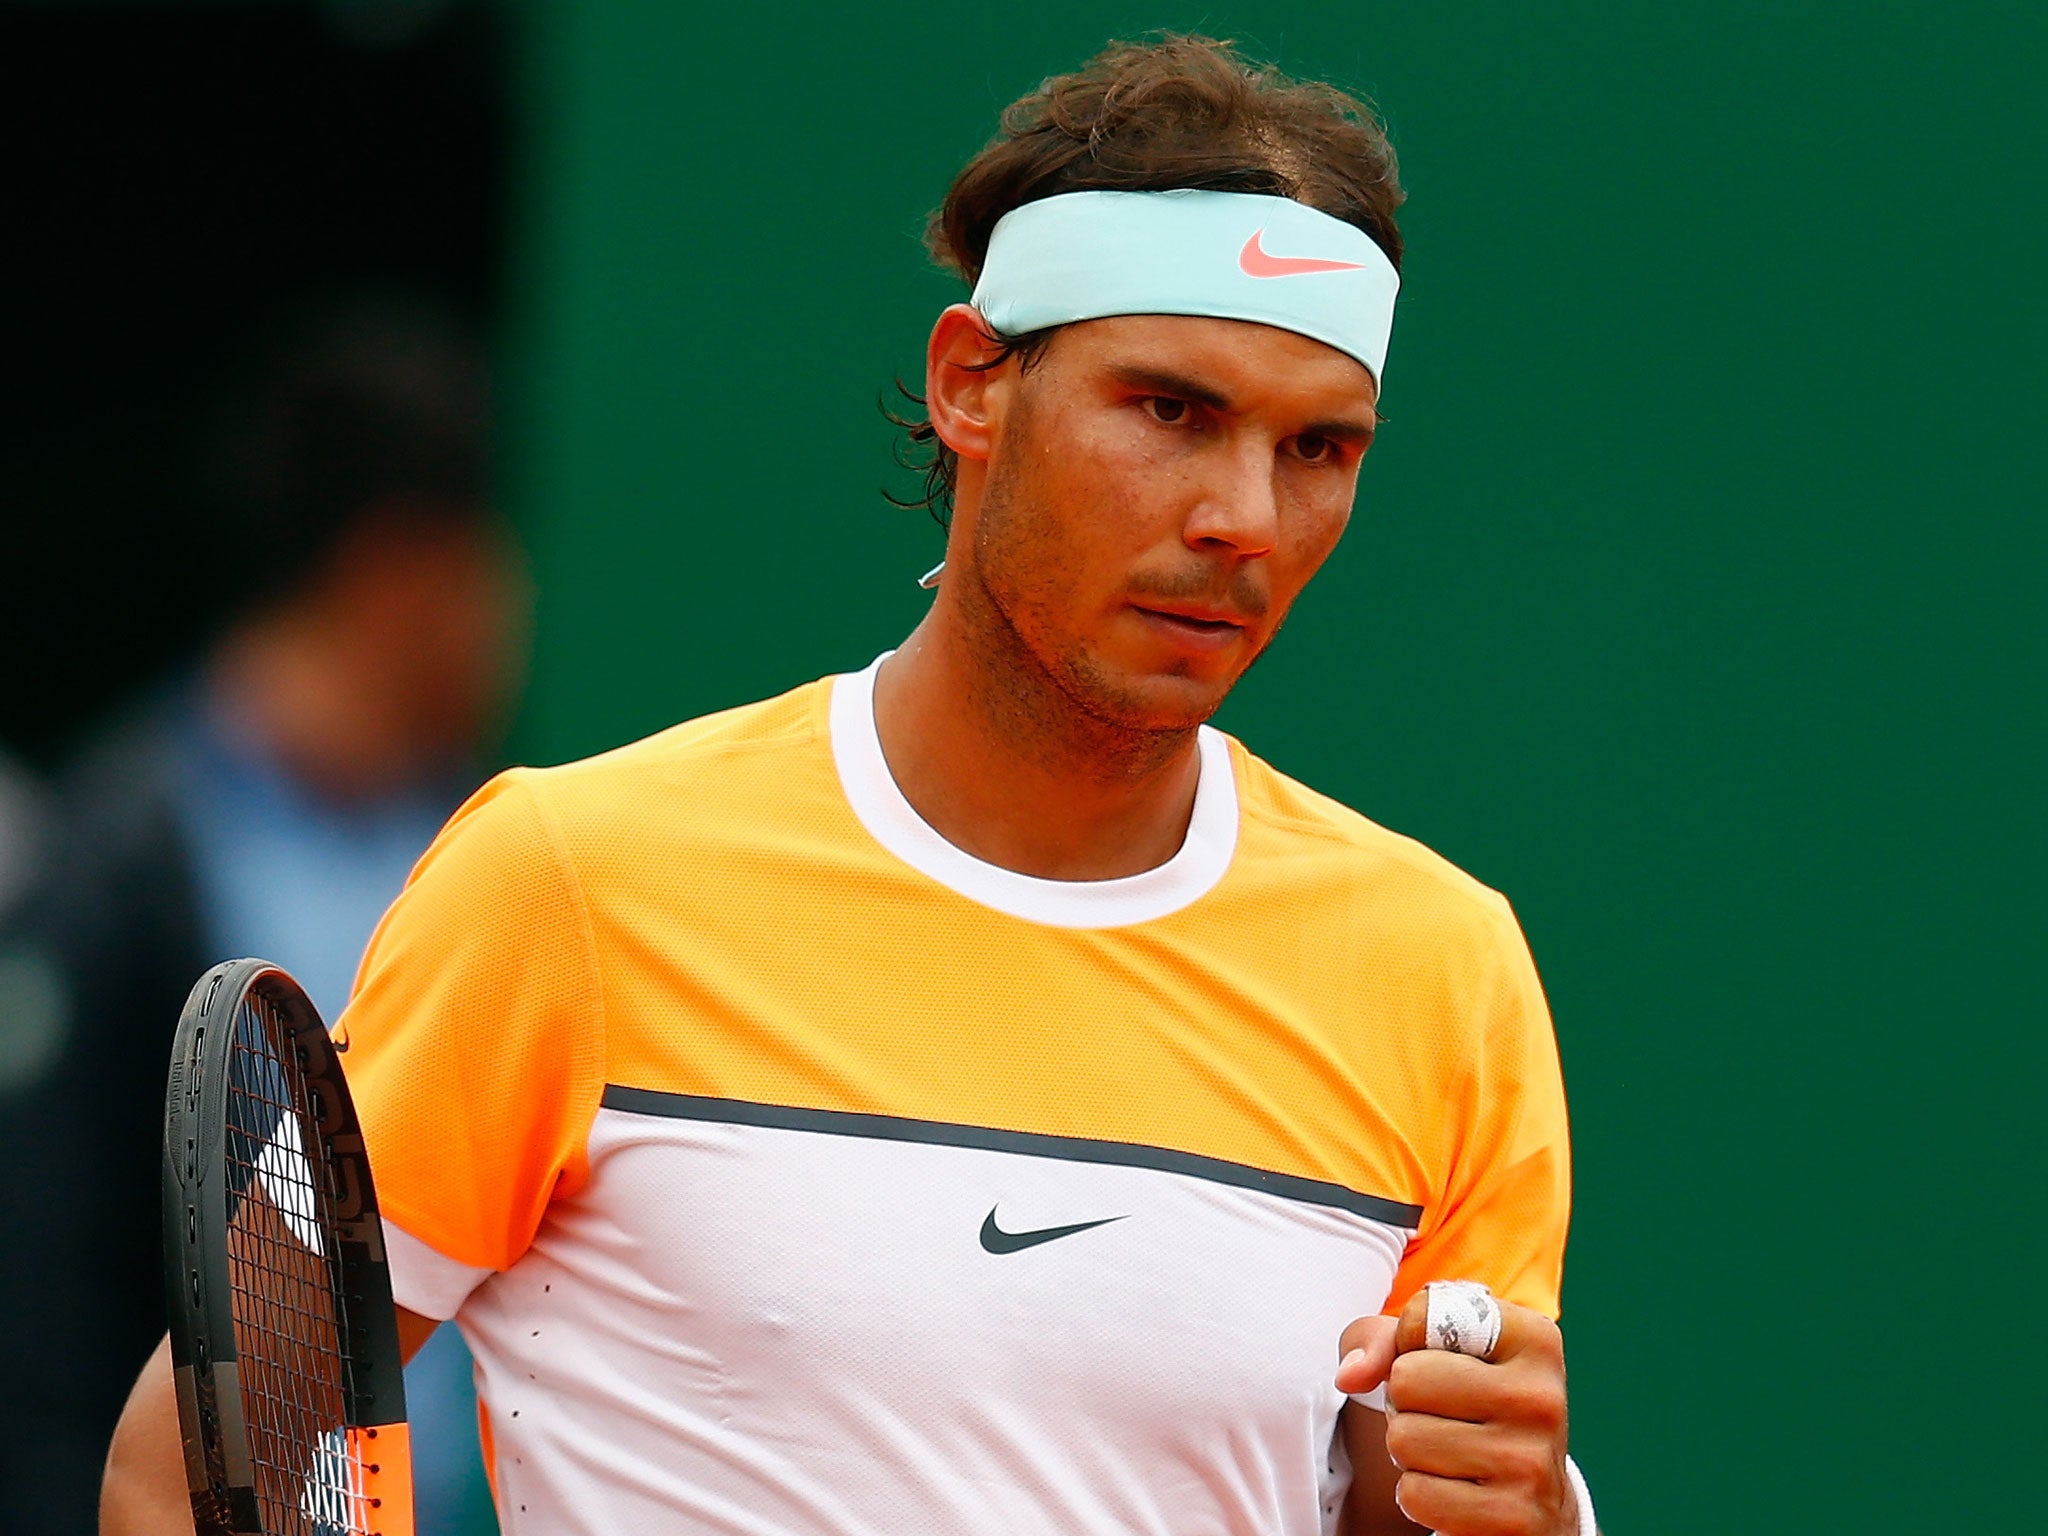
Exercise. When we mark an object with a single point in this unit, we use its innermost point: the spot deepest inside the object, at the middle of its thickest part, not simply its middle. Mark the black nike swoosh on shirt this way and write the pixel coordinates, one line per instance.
(996, 1240)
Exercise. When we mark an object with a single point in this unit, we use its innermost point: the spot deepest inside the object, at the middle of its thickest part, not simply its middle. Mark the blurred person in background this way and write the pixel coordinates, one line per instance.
(269, 801)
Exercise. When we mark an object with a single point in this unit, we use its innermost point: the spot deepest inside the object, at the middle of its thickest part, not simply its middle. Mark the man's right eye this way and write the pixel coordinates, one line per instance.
(1167, 410)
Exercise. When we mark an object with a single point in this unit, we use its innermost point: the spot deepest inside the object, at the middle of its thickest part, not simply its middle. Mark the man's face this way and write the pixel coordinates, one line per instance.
(1158, 489)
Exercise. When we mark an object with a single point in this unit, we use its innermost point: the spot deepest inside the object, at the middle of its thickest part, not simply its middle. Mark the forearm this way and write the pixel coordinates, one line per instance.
(1369, 1509)
(143, 1492)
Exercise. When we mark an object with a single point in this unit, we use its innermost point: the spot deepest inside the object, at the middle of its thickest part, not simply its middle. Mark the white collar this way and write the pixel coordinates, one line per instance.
(1189, 875)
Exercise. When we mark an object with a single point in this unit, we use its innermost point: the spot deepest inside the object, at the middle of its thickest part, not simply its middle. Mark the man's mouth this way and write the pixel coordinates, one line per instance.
(1195, 628)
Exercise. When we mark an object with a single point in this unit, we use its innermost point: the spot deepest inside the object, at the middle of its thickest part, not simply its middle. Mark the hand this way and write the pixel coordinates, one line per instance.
(1480, 1443)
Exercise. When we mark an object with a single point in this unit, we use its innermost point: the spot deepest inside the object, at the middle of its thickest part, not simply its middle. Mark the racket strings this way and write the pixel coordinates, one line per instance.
(292, 1329)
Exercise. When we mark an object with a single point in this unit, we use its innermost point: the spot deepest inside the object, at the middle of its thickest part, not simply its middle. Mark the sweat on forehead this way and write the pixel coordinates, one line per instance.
(1229, 255)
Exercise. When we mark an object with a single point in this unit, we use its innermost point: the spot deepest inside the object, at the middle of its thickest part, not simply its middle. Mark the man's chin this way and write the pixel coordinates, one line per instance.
(1155, 703)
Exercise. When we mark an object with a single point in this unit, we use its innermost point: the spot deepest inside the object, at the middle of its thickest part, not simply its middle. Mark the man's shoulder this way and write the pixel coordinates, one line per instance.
(1293, 822)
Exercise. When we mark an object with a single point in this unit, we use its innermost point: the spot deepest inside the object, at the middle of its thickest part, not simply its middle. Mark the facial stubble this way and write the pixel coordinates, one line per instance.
(1053, 701)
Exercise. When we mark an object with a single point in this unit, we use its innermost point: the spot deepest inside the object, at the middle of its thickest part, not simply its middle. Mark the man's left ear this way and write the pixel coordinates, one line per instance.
(963, 397)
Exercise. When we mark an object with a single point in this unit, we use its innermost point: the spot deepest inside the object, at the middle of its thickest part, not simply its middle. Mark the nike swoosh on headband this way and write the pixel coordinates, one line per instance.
(1254, 262)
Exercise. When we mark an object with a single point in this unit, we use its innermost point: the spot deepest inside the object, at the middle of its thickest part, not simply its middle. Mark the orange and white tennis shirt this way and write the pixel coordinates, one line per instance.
(791, 1172)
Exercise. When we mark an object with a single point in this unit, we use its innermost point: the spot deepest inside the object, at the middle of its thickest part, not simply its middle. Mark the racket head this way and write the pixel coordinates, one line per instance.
(284, 1340)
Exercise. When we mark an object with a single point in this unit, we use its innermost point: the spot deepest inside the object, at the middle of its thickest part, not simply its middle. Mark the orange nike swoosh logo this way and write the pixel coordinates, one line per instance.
(1254, 262)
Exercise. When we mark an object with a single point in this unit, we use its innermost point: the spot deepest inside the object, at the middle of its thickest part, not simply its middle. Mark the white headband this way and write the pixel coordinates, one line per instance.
(1232, 255)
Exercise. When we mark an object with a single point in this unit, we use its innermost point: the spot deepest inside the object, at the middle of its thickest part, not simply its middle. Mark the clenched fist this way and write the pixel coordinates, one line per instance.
(1480, 1444)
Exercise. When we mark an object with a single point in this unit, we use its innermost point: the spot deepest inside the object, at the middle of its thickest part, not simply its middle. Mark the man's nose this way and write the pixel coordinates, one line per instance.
(1237, 504)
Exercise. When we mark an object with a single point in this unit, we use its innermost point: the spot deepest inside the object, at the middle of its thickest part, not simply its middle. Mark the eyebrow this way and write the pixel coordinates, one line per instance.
(1164, 382)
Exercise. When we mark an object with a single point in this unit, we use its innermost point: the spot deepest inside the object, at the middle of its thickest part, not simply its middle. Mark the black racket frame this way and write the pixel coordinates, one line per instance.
(219, 1468)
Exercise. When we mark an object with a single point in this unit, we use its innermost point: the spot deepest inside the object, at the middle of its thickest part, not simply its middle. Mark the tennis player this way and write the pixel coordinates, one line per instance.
(971, 1093)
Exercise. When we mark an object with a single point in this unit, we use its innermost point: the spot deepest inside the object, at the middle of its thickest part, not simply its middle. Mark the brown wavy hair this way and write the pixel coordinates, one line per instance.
(1170, 112)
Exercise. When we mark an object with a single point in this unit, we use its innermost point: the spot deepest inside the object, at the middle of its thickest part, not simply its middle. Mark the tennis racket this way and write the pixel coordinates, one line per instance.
(284, 1342)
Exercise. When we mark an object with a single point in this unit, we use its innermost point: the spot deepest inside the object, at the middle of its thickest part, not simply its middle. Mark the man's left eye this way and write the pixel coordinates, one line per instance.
(1166, 409)
(1314, 449)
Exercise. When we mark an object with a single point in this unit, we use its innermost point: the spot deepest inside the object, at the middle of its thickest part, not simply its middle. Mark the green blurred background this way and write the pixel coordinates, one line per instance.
(1692, 599)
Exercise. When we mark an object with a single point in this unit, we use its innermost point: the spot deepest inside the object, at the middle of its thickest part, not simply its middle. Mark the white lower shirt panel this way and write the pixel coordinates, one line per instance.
(785, 1332)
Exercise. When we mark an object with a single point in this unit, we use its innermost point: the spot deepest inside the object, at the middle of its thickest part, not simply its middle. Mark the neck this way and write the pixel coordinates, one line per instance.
(1005, 766)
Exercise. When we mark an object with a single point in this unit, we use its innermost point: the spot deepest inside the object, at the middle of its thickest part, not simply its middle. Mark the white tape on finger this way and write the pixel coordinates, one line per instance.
(1463, 1318)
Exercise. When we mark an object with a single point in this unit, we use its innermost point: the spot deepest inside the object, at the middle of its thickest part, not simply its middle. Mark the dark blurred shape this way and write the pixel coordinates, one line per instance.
(334, 406)
(363, 582)
(369, 611)
(174, 170)
(22, 815)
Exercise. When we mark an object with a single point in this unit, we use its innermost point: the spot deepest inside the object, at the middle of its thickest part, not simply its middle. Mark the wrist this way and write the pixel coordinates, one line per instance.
(1587, 1525)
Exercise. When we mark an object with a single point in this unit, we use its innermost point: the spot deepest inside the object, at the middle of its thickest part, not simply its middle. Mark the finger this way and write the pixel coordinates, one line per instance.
(1447, 1504)
(1447, 1386)
(1458, 1315)
(1366, 1349)
(1523, 1330)
(1422, 1442)
(1526, 1391)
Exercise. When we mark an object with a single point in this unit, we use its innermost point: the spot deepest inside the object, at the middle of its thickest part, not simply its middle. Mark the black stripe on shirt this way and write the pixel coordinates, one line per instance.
(1073, 1149)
